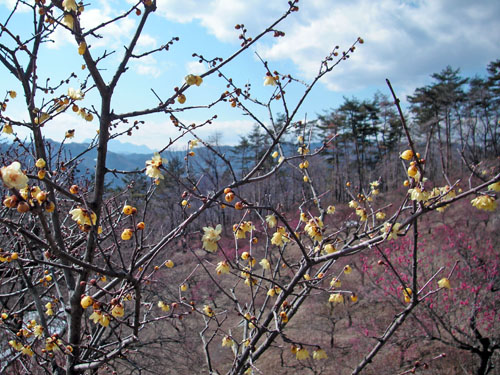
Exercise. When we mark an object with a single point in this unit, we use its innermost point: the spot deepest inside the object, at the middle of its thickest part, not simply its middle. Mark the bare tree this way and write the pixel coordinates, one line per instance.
(85, 281)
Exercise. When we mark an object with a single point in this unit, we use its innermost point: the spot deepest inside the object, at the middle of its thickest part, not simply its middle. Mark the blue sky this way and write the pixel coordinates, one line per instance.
(405, 41)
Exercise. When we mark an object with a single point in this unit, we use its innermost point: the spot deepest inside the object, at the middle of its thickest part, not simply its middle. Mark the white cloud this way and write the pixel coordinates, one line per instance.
(148, 67)
(156, 134)
(147, 41)
(194, 67)
(11, 4)
(114, 36)
(405, 41)
(220, 16)
(56, 128)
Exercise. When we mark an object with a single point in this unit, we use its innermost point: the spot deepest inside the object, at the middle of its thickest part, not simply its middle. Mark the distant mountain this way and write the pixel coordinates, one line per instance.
(129, 157)
(118, 147)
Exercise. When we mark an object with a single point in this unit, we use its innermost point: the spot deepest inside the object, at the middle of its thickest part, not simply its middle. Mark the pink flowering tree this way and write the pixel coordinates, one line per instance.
(94, 279)
(463, 316)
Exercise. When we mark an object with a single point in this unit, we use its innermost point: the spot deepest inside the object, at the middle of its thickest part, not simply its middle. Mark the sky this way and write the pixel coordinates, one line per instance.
(405, 41)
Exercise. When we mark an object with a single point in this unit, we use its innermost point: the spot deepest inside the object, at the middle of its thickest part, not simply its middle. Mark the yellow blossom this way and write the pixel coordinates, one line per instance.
(354, 298)
(361, 213)
(485, 203)
(353, 204)
(269, 81)
(184, 287)
(406, 155)
(248, 317)
(444, 283)
(82, 216)
(319, 354)
(407, 294)
(380, 215)
(82, 47)
(302, 150)
(314, 229)
(329, 248)
(447, 193)
(227, 341)
(336, 298)
(494, 186)
(164, 306)
(419, 195)
(335, 283)
(16, 345)
(210, 237)
(153, 166)
(69, 133)
(169, 263)
(104, 320)
(284, 317)
(394, 232)
(208, 311)
(12, 94)
(280, 237)
(40, 163)
(13, 177)
(193, 143)
(275, 154)
(95, 316)
(7, 129)
(75, 94)
(86, 301)
(304, 165)
(34, 191)
(181, 98)
(271, 221)
(49, 310)
(249, 281)
(68, 21)
(27, 351)
(330, 210)
(52, 344)
(69, 5)
(347, 269)
(413, 172)
(241, 229)
(118, 311)
(127, 234)
(128, 209)
(222, 267)
(41, 118)
(192, 79)
(302, 354)
(265, 264)
(276, 290)
(38, 330)
(88, 117)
